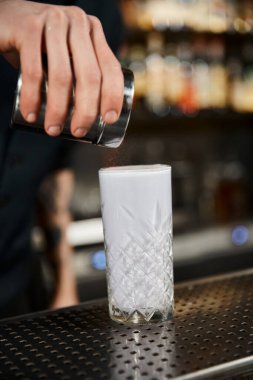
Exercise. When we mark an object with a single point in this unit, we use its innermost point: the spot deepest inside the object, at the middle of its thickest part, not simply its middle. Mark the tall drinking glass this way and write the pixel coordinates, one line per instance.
(137, 220)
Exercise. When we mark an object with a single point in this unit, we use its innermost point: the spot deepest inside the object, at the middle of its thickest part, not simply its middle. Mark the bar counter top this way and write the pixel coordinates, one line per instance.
(210, 337)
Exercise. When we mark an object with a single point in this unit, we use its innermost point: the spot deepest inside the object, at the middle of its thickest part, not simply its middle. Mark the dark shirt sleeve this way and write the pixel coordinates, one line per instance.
(65, 157)
(109, 14)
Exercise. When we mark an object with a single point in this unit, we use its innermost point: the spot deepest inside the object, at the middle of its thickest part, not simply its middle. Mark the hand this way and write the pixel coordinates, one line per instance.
(77, 52)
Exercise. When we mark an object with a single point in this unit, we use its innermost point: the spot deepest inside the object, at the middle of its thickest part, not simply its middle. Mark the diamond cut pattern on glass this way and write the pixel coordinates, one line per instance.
(140, 271)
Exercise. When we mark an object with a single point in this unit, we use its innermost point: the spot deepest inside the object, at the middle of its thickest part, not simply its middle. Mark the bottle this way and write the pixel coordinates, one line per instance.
(201, 73)
(173, 80)
(155, 99)
(218, 75)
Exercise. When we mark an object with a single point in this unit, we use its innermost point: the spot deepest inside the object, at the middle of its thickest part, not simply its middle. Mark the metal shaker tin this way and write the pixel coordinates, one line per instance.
(99, 134)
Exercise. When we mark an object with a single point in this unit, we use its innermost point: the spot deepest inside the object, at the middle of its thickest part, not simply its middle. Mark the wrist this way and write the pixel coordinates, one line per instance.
(65, 274)
(66, 286)
(60, 258)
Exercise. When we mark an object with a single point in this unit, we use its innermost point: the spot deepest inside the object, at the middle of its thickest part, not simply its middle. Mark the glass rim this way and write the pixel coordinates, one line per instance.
(155, 168)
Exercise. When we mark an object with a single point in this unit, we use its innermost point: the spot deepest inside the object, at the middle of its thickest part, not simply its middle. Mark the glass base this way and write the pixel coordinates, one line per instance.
(142, 317)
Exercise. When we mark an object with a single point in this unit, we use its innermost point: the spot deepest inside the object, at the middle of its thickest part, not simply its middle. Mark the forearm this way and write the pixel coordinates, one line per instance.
(55, 217)
(65, 282)
(58, 250)
(59, 256)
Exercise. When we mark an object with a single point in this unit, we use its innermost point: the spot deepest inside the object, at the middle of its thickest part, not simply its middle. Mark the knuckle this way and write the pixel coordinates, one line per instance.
(95, 22)
(94, 78)
(116, 68)
(116, 93)
(28, 102)
(30, 97)
(112, 66)
(88, 119)
(114, 99)
(117, 99)
(62, 78)
(34, 24)
(78, 13)
(75, 9)
(56, 13)
(23, 99)
(33, 73)
(54, 113)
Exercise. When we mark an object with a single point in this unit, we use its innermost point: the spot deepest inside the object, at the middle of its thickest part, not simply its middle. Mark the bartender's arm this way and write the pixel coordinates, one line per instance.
(76, 50)
(54, 216)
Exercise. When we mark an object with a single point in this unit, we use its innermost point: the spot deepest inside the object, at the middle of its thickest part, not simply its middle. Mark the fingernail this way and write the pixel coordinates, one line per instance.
(54, 130)
(111, 117)
(80, 132)
(31, 117)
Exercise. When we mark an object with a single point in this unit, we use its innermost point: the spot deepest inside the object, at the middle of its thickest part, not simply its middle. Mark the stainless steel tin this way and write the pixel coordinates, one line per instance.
(99, 133)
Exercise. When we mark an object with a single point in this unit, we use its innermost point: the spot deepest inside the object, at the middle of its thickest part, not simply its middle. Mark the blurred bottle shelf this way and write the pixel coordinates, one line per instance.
(142, 114)
(191, 56)
(215, 16)
(135, 35)
(186, 78)
(145, 122)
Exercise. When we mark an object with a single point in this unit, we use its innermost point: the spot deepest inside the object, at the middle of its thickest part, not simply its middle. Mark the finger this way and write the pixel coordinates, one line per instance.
(31, 70)
(59, 72)
(87, 75)
(112, 90)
